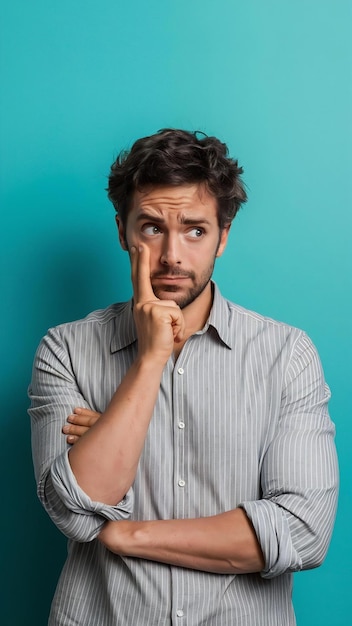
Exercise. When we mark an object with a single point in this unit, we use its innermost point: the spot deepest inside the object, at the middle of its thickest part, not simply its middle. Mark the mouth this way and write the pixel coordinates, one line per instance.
(170, 284)
(170, 281)
(173, 274)
(170, 278)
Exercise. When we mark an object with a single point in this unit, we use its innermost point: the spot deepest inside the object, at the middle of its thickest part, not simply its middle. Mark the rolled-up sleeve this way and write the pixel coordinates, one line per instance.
(299, 477)
(54, 394)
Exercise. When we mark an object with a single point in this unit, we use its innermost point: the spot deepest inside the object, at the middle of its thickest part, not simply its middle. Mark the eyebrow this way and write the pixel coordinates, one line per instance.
(148, 216)
(188, 221)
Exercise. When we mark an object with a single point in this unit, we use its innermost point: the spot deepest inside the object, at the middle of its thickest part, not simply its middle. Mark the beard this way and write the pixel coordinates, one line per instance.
(177, 293)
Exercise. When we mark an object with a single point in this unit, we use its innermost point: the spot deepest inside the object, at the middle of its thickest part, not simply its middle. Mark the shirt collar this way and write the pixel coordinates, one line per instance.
(126, 334)
(125, 329)
(219, 317)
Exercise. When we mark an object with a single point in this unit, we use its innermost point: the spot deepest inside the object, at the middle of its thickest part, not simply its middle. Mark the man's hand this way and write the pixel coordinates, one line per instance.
(79, 422)
(159, 323)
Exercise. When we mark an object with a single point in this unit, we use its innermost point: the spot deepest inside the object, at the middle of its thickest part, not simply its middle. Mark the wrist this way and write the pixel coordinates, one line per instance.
(151, 362)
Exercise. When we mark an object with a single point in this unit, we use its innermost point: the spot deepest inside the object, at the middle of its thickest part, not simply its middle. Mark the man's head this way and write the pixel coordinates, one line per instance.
(174, 157)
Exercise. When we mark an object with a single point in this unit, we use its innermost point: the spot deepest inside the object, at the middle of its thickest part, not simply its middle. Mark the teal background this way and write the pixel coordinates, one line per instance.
(82, 79)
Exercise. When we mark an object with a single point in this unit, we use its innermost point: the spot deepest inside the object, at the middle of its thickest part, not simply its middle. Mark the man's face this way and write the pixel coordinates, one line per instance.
(180, 227)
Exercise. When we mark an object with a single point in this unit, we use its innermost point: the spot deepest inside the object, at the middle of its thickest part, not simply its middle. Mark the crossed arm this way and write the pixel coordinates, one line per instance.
(224, 543)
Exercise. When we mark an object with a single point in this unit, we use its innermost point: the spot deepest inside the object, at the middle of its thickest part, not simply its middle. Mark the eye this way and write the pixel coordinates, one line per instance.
(150, 229)
(196, 233)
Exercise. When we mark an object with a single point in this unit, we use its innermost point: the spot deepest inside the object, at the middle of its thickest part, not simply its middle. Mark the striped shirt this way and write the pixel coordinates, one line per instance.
(241, 420)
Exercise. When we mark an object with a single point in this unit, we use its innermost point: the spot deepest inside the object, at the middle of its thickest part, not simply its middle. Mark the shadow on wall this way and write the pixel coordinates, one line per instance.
(60, 281)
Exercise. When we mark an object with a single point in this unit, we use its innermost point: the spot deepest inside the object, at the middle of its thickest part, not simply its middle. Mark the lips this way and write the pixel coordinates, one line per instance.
(171, 278)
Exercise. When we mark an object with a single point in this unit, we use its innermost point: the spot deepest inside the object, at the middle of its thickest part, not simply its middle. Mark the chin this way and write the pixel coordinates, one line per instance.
(182, 299)
(183, 296)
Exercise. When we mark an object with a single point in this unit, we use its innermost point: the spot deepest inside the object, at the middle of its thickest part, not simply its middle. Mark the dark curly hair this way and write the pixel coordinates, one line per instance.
(178, 157)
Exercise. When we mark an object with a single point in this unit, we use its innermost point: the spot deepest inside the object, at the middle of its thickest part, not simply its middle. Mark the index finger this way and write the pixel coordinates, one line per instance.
(140, 262)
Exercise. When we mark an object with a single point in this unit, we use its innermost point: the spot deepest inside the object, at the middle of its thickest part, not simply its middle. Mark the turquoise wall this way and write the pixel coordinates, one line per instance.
(81, 79)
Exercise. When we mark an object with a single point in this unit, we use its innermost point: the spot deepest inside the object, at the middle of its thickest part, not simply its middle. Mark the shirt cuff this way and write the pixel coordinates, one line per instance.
(273, 533)
(77, 501)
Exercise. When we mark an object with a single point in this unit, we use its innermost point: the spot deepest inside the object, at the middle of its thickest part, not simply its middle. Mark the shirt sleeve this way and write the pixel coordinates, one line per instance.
(54, 393)
(299, 479)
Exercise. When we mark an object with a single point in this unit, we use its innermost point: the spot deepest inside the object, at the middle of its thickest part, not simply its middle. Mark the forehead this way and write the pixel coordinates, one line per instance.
(185, 198)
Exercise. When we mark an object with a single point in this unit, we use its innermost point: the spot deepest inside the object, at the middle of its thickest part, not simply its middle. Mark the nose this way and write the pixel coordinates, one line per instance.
(170, 253)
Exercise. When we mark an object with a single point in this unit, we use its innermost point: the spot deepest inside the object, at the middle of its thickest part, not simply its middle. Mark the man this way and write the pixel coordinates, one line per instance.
(204, 471)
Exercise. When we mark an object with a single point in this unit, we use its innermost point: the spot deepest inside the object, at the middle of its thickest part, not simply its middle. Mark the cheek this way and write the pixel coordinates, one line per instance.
(206, 252)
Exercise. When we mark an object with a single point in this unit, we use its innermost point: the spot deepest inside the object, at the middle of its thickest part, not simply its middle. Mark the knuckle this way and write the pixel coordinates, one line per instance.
(146, 307)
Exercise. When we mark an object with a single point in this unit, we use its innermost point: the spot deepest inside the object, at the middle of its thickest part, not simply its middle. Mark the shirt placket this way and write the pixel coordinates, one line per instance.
(181, 478)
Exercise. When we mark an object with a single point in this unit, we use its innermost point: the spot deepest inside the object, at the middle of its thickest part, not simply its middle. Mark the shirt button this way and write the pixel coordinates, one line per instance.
(179, 613)
(181, 483)
(181, 370)
(181, 424)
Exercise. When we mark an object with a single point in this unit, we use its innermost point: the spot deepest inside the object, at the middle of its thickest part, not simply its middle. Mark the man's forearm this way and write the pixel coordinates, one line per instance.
(104, 461)
(224, 544)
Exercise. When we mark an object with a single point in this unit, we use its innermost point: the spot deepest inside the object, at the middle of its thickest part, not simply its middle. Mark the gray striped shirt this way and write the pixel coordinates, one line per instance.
(241, 420)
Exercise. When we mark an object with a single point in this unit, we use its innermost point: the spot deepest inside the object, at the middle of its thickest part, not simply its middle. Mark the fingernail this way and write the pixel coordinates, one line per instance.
(133, 249)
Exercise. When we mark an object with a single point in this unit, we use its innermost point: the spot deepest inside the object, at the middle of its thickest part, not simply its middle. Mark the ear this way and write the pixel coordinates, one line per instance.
(122, 234)
(223, 239)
